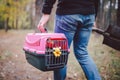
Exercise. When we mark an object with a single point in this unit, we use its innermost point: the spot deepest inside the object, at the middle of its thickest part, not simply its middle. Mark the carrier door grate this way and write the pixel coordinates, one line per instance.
(53, 61)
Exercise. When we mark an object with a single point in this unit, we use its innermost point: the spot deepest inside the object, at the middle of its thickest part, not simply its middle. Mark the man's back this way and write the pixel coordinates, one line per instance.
(71, 6)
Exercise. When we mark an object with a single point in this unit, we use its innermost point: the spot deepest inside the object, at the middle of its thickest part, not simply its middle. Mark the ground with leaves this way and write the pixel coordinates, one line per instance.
(13, 65)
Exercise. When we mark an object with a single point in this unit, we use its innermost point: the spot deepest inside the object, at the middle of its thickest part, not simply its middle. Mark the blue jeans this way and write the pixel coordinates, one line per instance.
(77, 28)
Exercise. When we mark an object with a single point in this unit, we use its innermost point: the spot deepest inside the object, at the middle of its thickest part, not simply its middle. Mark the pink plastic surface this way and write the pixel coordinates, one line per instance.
(36, 42)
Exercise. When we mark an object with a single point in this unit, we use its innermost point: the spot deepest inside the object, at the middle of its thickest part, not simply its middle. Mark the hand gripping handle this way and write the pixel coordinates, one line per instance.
(42, 29)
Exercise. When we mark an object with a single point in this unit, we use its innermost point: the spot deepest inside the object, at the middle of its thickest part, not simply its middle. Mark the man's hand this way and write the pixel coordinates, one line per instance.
(43, 21)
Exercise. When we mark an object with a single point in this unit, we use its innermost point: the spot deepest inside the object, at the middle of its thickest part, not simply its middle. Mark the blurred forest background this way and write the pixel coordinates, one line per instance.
(19, 17)
(20, 14)
(25, 14)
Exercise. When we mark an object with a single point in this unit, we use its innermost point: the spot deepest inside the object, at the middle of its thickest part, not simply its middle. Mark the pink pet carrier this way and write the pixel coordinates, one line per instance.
(46, 51)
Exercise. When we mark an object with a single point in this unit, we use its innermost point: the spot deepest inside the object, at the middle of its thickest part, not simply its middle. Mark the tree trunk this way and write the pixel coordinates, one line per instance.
(38, 13)
(13, 23)
(118, 14)
(16, 23)
(32, 14)
(100, 14)
(6, 24)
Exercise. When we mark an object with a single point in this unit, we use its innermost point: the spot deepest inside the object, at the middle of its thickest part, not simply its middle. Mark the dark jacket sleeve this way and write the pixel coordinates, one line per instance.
(47, 6)
(97, 4)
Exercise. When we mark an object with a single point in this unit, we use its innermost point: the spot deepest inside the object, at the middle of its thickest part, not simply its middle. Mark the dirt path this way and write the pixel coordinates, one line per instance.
(13, 65)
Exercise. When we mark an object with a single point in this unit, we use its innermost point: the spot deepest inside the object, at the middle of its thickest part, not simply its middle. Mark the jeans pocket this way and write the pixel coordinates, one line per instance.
(65, 22)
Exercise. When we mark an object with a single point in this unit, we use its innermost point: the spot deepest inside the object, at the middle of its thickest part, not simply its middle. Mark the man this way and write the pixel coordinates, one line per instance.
(75, 19)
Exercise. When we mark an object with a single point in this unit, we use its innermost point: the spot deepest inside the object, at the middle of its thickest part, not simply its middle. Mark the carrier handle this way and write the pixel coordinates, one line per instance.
(42, 29)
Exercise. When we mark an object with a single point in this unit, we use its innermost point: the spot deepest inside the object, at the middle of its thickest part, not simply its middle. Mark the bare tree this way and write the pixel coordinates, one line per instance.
(118, 14)
(7, 18)
(38, 14)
